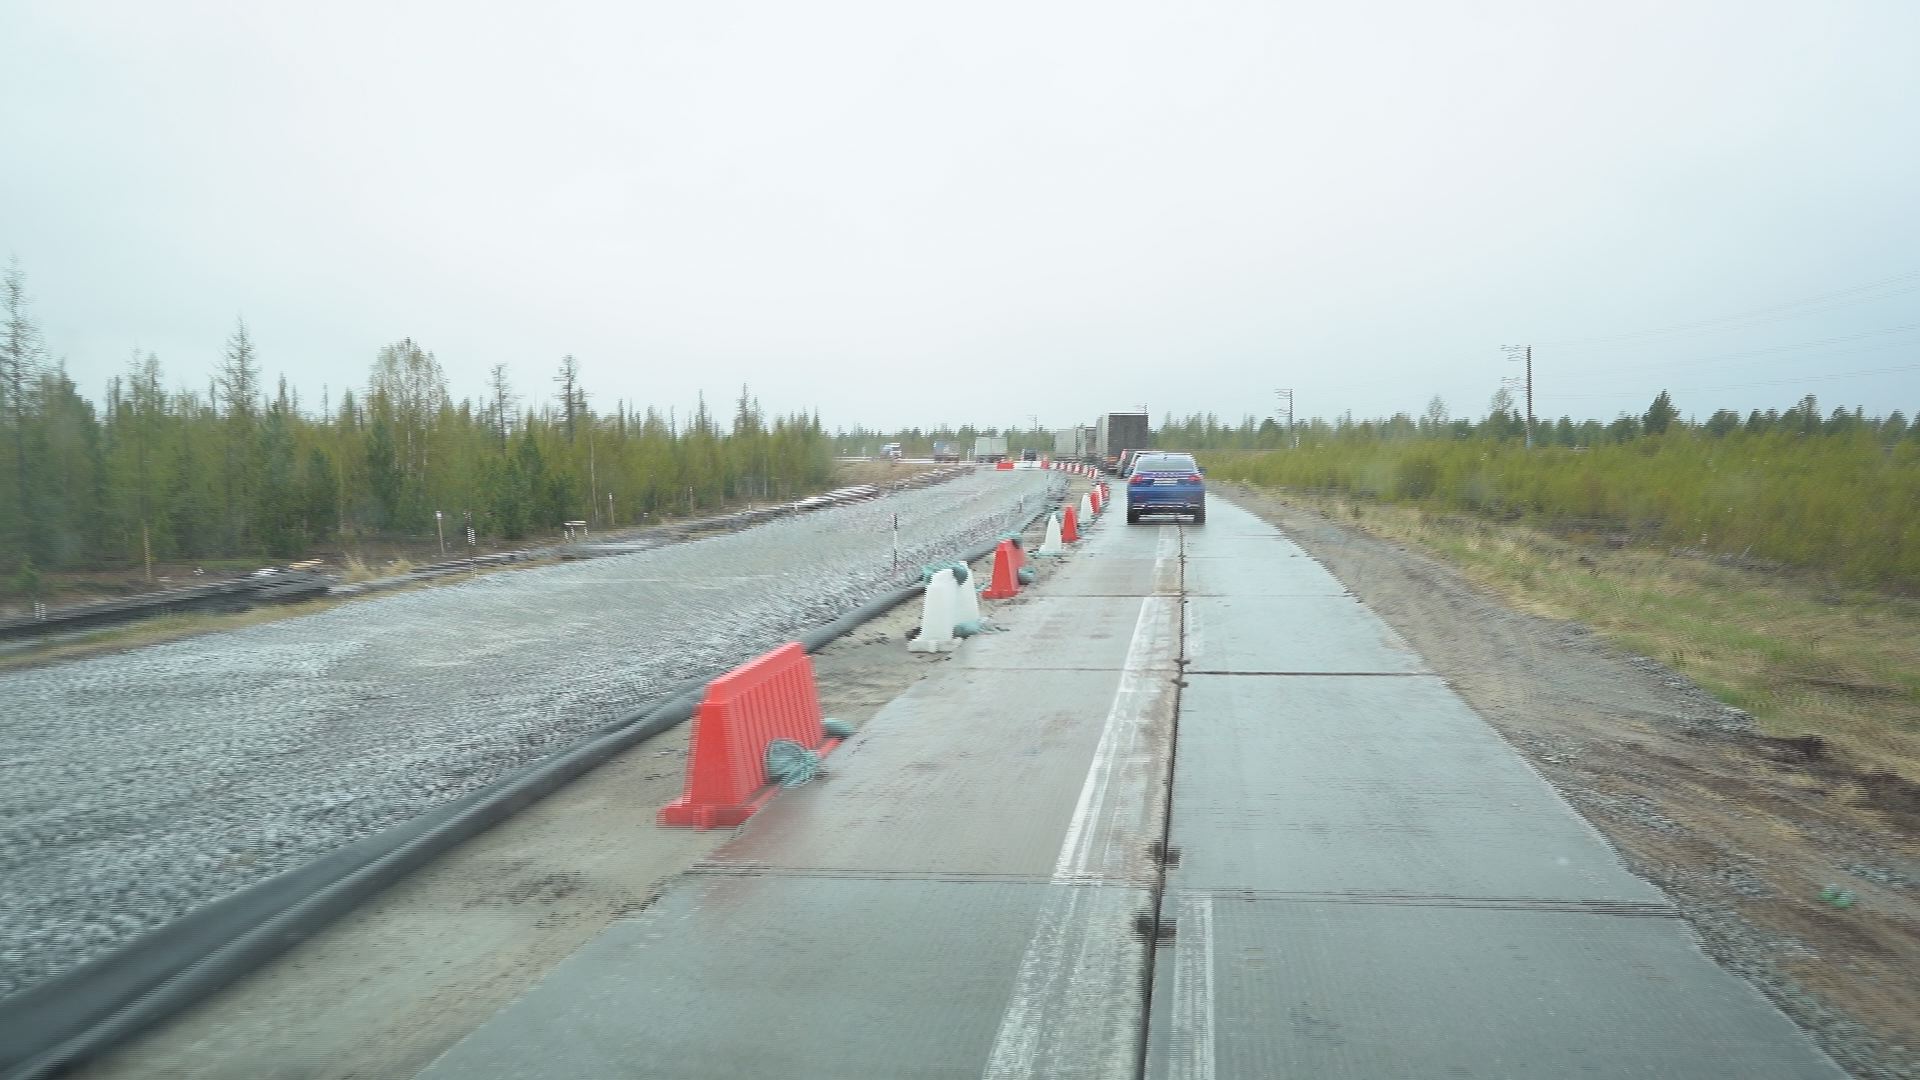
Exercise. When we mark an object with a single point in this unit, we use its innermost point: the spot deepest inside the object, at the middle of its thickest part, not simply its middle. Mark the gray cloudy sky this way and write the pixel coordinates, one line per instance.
(913, 213)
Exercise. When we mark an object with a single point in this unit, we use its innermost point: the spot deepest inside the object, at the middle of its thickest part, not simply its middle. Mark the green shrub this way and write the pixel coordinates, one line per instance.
(1845, 504)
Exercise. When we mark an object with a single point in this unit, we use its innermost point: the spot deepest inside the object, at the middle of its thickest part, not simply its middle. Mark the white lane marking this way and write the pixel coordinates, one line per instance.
(1192, 1056)
(1166, 554)
(1082, 958)
(1126, 718)
(1166, 547)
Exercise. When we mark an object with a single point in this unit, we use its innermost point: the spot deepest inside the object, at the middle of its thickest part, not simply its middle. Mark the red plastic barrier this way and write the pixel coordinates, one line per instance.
(771, 698)
(1070, 526)
(1004, 465)
(1008, 558)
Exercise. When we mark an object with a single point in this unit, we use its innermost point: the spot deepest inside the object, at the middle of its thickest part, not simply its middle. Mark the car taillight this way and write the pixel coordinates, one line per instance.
(1139, 480)
(1194, 479)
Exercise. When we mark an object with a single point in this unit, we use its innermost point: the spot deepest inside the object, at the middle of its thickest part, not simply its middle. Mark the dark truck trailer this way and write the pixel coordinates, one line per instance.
(1116, 433)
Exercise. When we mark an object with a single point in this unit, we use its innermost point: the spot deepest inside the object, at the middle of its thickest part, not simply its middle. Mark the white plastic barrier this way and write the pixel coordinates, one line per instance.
(937, 611)
(967, 604)
(1053, 544)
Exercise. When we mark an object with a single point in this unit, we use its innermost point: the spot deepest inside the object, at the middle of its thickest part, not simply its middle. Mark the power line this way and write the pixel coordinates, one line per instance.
(1765, 350)
(1881, 289)
(1754, 385)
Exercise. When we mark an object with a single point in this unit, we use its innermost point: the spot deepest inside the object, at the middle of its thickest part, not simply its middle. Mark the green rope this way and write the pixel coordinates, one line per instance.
(836, 729)
(959, 571)
(789, 764)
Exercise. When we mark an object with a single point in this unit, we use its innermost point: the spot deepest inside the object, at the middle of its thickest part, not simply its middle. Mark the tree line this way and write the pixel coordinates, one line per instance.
(1838, 492)
(238, 468)
(1504, 423)
(860, 441)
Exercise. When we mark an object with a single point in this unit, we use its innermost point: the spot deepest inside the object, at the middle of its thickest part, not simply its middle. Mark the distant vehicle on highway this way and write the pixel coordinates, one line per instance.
(945, 451)
(1029, 455)
(891, 451)
(989, 448)
(1163, 483)
(1116, 433)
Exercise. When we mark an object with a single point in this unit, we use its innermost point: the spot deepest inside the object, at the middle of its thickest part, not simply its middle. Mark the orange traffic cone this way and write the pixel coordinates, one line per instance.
(1006, 572)
(1070, 526)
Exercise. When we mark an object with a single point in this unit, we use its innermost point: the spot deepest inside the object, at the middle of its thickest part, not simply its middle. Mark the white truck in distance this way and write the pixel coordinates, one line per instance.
(1072, 444)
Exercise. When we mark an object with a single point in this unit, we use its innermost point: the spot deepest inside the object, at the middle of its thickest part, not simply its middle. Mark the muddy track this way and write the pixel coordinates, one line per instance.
(1742, 830)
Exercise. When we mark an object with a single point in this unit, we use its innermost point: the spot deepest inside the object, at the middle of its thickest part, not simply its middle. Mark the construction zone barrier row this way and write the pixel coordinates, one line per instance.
(769, 708)
(950, 608)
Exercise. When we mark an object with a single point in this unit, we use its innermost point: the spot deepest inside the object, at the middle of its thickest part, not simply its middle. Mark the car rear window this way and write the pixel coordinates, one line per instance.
(1165, 463)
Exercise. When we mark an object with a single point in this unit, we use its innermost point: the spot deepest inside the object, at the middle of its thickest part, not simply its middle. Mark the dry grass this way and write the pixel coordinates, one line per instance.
(875, 472)
(1803, 656)
(357, 570)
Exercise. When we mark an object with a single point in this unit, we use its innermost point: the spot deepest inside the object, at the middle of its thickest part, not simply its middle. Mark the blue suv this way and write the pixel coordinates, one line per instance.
(1166, 484)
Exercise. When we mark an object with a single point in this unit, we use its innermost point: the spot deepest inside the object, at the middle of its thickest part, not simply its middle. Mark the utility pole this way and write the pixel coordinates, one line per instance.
(1524, 354)
(1286, 399)
(1529, 397)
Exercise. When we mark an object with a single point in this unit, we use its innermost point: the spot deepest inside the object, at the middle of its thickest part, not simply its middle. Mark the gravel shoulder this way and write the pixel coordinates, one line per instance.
(1741, 830)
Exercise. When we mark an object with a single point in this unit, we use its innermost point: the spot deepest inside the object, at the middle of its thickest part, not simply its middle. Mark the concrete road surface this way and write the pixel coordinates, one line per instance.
(1364, 880)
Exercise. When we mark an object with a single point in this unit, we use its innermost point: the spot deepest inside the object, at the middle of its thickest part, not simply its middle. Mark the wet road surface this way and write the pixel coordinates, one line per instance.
(1364, 880)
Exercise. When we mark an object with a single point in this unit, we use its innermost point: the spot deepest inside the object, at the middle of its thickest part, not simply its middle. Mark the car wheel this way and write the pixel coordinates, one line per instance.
(1133, 517)
(1199, 517)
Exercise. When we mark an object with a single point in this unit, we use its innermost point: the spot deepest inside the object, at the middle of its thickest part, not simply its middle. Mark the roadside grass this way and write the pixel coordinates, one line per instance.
(1803, 655)
(357, 570)
(874, 472)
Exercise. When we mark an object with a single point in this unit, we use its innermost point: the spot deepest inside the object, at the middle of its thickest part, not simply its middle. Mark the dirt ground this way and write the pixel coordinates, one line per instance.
(1743, 831)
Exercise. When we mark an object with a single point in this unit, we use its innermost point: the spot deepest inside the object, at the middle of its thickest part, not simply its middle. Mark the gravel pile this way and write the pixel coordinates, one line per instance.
(136, 787)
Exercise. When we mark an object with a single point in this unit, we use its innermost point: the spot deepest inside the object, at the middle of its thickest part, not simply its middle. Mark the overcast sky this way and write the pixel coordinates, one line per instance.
(904, 214)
